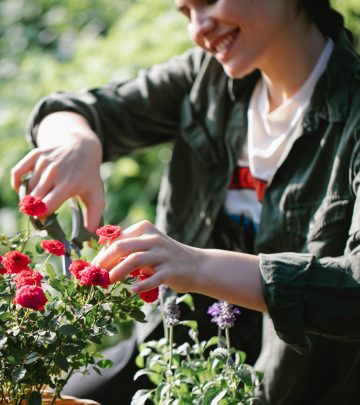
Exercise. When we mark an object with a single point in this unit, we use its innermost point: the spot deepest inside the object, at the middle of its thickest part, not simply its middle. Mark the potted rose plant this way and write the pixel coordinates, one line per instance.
(49, 322)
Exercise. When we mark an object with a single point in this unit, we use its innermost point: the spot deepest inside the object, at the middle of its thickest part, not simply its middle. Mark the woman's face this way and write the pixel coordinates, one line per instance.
(242, 34)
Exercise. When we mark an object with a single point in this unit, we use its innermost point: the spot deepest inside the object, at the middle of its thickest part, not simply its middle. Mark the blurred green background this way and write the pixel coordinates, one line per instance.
(49, 45)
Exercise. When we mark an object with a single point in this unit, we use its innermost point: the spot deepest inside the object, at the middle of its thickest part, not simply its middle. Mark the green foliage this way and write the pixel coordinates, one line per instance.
(44, 347)
(194, 373)
(109, 40)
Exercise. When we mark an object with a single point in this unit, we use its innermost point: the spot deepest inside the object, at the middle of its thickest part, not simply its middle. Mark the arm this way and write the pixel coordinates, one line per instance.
(65, 163)
(221, 274)
(301, 293)
(74, 133)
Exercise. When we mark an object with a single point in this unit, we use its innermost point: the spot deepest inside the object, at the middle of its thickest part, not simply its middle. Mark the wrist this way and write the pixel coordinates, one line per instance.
(65, 127)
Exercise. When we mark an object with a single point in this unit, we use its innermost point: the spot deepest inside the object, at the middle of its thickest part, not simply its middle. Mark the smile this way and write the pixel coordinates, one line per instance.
(225, 42)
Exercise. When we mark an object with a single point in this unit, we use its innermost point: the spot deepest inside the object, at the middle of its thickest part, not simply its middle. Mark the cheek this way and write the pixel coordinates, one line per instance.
(194, 38)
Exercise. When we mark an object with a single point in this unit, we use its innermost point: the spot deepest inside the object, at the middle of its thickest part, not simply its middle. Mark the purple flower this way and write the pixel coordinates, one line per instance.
(172, 311)
(223, 314)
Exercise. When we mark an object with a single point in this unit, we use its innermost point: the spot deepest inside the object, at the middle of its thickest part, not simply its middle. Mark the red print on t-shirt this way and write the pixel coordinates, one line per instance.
(242, 178)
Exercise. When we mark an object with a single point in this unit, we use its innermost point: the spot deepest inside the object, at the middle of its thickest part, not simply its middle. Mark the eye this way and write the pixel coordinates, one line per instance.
(211, 1)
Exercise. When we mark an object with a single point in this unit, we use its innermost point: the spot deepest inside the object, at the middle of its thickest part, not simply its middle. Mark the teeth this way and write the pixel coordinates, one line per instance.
(224, 43)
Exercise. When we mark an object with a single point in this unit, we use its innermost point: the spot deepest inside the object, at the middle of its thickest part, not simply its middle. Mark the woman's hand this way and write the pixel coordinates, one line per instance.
(230, 276)
(166, 260)
(66, 164)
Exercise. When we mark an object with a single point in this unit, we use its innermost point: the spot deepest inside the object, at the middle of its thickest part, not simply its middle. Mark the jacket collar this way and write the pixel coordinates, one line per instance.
(332, 94)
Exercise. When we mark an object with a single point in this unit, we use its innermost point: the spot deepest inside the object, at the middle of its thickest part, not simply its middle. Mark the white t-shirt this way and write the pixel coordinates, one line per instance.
(270, 138)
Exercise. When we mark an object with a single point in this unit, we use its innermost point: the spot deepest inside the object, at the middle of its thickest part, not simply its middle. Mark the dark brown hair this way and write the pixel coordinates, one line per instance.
(329, 21)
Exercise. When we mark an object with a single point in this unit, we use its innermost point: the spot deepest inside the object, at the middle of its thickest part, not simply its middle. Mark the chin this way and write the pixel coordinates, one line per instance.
(235, 72)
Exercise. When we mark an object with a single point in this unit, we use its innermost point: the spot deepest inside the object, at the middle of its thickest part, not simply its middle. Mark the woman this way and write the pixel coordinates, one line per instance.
(265, 121)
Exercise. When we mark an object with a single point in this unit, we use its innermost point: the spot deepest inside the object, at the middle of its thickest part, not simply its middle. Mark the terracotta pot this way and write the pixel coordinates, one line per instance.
(47, 397)
(66, 400)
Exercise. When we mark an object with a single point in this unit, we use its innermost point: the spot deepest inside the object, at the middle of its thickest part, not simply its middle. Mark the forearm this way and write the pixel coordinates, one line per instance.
(230, 276)
(65, 127)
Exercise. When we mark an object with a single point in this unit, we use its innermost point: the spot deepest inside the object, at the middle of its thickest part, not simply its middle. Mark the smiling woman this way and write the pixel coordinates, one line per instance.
(254, 207)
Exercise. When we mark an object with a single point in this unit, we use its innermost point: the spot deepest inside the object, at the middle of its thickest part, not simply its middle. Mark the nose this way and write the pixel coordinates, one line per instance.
(200, 25)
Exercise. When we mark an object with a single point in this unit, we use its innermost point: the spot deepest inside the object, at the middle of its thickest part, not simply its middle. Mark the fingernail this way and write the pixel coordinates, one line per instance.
(135, 288)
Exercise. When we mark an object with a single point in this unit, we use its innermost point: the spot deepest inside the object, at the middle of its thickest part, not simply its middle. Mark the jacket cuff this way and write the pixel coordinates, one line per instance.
(285, 277)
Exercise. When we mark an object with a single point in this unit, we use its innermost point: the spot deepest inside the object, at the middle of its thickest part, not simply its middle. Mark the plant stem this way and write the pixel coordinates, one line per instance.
(227, 335)
(169, 372)
(171, 341)
(162, 304)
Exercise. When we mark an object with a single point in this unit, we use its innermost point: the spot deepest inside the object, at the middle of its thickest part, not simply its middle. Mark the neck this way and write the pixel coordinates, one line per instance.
(295, 58)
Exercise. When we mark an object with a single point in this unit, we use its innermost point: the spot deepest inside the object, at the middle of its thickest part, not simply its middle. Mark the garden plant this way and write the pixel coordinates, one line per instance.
(196, 372)
(49, 322)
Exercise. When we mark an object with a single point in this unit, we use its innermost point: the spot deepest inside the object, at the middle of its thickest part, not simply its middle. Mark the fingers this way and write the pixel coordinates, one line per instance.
(95, 204)
(132, 262)
(24, 166)
(109, 257)
(140, 228)
(150, 283)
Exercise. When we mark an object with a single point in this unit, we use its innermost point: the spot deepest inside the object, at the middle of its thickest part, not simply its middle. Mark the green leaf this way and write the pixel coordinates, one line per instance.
(145, 372)
(141, 397)
(105, 363)
(139, 361)
(3, 341)
(4, 316)
(55, 283)
(110, 330)
(161, 391)
(186, 299)
(62, 362)
(245, 376)
(50, 270)
(38, 248)
(191, 324)
(210, 394)
(31, 358)
(213, 341)
(218, 397)
(68, 329)
(34, 398)
(18, 373)
(71, 289)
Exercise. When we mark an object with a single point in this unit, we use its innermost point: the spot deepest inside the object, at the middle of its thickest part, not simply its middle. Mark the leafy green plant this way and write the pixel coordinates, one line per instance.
(49, 322)
(207, 372)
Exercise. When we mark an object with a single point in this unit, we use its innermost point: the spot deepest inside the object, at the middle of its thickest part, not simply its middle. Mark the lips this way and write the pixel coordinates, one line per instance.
(224, 42)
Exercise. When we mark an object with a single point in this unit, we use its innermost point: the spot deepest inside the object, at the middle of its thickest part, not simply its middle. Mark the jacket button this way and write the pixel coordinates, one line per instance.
(207, 221)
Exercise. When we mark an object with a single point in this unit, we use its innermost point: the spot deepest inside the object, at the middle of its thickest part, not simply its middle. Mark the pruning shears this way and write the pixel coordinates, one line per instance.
(51, 225)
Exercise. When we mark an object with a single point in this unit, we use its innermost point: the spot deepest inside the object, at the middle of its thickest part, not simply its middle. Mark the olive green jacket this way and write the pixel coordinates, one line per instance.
(311, 208)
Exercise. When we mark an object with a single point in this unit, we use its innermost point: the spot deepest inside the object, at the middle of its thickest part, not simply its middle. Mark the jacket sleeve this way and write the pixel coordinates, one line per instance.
(306, 295)
(131, 114)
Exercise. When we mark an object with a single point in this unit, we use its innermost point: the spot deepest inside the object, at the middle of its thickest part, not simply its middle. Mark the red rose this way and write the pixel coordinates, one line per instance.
(15, 261)
(53, 246)
(94, 275)
(2, 269)
(28, 277)
(32, 205)
(151, 295)
(108, 232)
(77, 266)
(136, 273)
(31, 296)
